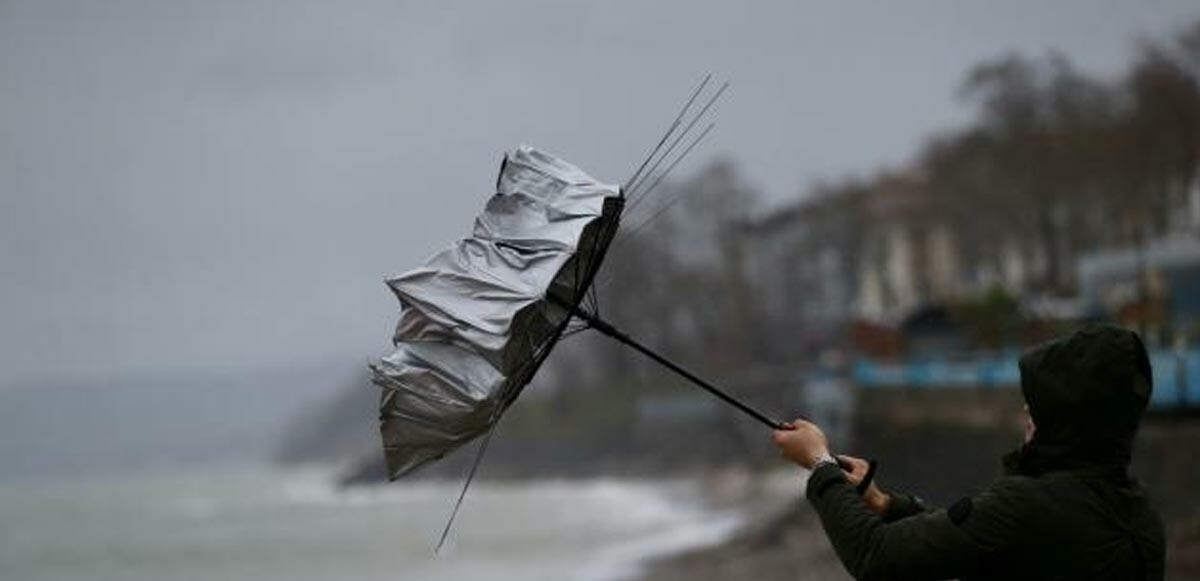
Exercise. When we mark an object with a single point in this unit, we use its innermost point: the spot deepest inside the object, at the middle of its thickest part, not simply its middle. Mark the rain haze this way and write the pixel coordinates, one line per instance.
(200, 201)
(199, 186)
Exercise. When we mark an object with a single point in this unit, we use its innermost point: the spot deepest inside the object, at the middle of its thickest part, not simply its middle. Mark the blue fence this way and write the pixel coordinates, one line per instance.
(1176, 375)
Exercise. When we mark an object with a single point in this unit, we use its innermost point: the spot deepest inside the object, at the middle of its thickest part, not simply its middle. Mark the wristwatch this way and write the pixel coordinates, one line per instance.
(863, 485)
(822, 460)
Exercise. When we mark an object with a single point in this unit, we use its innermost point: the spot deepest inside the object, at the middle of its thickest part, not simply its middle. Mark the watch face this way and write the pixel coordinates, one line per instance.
(823, 461)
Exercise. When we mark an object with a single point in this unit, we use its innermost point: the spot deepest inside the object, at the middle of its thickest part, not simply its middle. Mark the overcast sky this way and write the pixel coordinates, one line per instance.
(223, 185)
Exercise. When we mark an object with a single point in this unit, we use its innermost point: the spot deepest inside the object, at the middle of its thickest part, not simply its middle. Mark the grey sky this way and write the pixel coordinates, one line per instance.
(223, 185)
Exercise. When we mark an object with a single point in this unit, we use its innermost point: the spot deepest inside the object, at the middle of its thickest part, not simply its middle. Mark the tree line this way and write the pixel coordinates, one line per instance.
(1055, 163)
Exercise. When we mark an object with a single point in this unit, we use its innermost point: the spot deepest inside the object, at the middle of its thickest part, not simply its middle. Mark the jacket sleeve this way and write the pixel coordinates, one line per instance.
(925, 546)
(904, 506)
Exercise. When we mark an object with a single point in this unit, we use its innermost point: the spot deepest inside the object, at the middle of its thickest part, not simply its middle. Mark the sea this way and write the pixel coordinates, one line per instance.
(261, 523)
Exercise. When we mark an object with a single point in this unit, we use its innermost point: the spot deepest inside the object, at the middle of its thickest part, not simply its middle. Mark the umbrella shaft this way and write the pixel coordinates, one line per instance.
(603, 326)
(607, 329)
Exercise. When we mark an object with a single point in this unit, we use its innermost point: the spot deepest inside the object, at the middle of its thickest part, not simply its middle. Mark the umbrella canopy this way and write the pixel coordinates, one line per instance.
(479, 318)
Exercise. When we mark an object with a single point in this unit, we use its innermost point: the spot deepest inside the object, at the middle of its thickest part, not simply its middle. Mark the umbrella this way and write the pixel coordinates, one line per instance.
(479, 318)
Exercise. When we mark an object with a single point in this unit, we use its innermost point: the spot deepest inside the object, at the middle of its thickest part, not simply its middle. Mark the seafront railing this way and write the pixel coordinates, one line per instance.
(1176, 374)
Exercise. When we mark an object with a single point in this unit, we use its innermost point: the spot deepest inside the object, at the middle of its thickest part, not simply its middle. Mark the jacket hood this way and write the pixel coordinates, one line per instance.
(1086, 394)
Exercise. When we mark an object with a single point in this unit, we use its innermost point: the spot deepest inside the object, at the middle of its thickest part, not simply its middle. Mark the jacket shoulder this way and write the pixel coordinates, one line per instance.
(1013, 489)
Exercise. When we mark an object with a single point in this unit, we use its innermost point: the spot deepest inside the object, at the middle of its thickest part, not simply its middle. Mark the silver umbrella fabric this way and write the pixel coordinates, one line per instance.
(478, 318)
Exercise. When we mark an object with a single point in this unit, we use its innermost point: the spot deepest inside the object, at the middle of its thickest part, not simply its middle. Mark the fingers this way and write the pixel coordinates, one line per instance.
(858, 467)
(851, 460)
(803, 444)
(800, 423)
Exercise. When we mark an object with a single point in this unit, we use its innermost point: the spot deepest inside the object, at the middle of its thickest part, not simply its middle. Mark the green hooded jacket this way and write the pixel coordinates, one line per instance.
(1067, 508)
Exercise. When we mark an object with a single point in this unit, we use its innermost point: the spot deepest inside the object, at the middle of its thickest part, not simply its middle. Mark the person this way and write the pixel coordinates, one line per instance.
(1065, 509)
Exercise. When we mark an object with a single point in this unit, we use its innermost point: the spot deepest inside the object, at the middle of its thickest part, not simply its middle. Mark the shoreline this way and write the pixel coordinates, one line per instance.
(779, 537)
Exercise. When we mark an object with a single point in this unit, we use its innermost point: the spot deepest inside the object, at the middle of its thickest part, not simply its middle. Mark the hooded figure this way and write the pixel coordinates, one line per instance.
(1067, 508)
(1086, 395)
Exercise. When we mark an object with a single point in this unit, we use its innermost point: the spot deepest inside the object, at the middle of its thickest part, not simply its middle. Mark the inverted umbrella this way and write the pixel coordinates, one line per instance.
(480, 317)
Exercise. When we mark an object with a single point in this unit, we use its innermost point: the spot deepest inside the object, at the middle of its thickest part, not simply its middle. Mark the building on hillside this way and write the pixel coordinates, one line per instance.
(841, 268)
(893, 263)
(803, 262)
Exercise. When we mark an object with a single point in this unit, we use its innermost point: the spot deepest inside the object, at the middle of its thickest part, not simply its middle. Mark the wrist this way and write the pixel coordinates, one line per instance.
(821, 458)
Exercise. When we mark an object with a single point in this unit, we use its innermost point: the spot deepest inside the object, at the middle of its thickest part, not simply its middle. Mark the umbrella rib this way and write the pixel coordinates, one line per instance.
(467, 484)
(598, 251)
(670, 130)
(675, 142)
(535, 360)
(629, 234)
(580, 288)
(539, 353)
(575, 331)
(685, 153)
(633, 192)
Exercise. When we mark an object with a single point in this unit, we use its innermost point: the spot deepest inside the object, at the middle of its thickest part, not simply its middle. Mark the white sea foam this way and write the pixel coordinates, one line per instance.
(626, 559)
(299, 525)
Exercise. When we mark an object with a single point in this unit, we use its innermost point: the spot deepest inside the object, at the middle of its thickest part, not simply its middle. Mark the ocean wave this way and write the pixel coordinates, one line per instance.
(585, 530)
